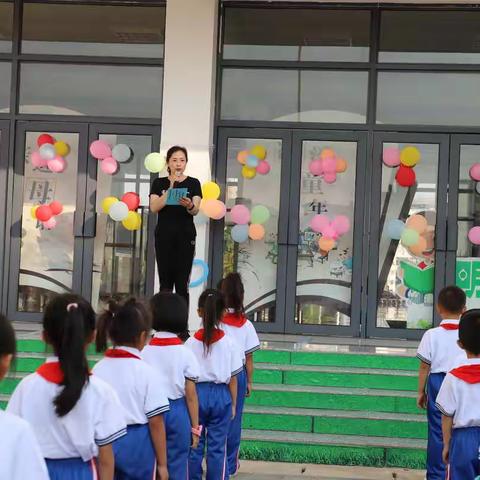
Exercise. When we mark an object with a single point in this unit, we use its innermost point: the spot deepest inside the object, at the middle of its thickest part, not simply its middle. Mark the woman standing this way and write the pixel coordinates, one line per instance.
(175, 233)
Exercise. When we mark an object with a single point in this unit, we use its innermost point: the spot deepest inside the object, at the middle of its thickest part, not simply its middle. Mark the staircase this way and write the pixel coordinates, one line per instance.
(313, 405)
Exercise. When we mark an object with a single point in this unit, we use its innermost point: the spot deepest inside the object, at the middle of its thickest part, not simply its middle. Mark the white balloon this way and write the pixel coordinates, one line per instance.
(47, 151)
(118, 211)
(200, 219)
(121, 153)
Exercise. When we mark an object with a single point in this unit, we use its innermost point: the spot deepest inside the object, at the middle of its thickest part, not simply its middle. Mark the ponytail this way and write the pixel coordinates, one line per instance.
(212, 305)
(104, 325)
(233, 291)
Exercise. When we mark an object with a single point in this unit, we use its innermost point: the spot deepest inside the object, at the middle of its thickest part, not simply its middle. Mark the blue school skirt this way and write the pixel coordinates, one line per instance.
(71, 469)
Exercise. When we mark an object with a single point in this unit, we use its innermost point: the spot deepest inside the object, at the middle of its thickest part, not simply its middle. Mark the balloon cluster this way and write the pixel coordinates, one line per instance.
(405, 159)
(474, 173)
(327, 165)
(474, 235)
(331, 230)
(46, 214)
(254, 162)
(248, 224)
(50, 154)
(412, 233)
(210, 205)
(154, 162)
(124, 210)
(110, 157)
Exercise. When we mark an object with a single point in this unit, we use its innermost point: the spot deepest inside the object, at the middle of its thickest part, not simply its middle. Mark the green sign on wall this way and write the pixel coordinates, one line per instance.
(468, 276)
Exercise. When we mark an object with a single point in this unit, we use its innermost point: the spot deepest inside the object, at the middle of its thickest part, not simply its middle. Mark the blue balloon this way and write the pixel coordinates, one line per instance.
(205, 271)
(395, 229)
(240, 233)
(252, 161)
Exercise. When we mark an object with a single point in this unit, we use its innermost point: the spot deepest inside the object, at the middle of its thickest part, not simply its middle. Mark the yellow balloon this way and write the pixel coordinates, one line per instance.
(410, 156)
(107, 203)
(259, 151)
(133, 221)
(210, 191)
(33, 212)
(61, 148)
(248, 172)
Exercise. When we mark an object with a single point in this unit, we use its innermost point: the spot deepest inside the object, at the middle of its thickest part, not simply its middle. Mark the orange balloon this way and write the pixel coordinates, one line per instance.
(419, 247)
(341, 165)
(256, 231)
(418, 223)
(214, 209)
(326, 244)
(242, 156)
(327, 152)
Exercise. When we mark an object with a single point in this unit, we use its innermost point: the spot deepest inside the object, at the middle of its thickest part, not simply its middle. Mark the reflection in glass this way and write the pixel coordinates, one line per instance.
(324, 279)
(46, 256)
(6, 26)
(119, 265)
(255, 260)
(406, 276)
(5, 73)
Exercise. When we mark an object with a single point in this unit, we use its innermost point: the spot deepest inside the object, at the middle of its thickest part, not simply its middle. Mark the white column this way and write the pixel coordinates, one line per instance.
(189, 97)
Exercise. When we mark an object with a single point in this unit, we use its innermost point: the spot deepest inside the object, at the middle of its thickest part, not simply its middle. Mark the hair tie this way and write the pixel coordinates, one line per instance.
(71, 306)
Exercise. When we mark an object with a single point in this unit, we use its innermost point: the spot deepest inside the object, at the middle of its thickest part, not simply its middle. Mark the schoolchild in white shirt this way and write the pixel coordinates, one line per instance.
(459, 402)
(178, 368)
(220, 362)
(141, 453)
(75, 417)
(20, 455)
(236, 325)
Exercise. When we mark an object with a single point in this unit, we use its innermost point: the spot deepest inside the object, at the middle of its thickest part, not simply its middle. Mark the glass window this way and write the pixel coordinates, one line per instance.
(430, 37)
(103, 90)
(5, 80)
(428, 98)
(6, 26)
(293, 95)
(106, 30)
(296, 34)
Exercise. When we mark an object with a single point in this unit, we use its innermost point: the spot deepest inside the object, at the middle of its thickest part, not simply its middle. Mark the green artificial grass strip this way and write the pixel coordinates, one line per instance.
(406, 458)
(7, 385)
(272, 377)
(26, 365)
(272, 356)
(278, 422)
(3, 405)
(34, 346)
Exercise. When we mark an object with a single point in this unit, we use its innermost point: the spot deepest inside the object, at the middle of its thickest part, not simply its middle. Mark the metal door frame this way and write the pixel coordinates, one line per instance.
(4, 162)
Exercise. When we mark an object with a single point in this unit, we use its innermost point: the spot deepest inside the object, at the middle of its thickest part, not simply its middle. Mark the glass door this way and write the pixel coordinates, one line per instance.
(407, 211)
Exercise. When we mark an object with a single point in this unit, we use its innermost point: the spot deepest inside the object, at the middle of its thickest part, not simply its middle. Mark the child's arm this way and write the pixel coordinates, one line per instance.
(192, 404)
(233, 393)
(423, 372)
(159, 440)
(447, 425)
(249, 367)
(106, 462)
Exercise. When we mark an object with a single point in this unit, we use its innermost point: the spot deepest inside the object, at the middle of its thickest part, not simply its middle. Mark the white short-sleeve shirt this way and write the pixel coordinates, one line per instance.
(139, 388)
(20, 455)
(221, 362)
(173, 361)
(459, 399)
(243, 333)
(96, 420)
(439, 347)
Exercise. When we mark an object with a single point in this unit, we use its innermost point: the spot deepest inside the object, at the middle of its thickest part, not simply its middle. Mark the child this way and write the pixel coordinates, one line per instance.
(179, 370)
(20, 455)
(219, 362)
(459, 402)
(75, 417)
(242, 331)
(437, 352)
(139, 388)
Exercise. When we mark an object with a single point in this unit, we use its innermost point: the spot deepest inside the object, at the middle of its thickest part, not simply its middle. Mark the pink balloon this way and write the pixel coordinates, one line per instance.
(474, 235)
(100, 149)
(50, 224)
(109, 165)
(240, 214)
(57, 164)
(330, 177)
(318, 222)
(316, 167)
(329, 165)
(263, 167)
(341, 224)
(329, 232)
(37, 160)
(391, 156)
(475, 172)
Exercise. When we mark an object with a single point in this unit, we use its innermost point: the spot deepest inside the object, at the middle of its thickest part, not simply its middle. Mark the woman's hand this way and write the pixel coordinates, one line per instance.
(186, 202)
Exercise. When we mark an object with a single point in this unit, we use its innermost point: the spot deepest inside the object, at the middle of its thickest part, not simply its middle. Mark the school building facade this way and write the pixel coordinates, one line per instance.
(389, 91)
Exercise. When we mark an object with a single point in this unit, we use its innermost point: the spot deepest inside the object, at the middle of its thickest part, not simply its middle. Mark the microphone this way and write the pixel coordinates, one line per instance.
(177, 175)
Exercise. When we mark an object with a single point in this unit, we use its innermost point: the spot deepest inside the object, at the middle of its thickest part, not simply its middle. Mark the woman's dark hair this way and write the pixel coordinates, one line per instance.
(175, 149)
(169, 312)
(8, 345)
(122, 323)
(469, 331)
(212, 304)
(69, 324)
(232, 288)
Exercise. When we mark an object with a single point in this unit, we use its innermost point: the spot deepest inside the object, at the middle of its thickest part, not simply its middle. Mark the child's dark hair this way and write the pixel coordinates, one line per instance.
(175, 149)
(122, 323)
(212, 304)
(8, 344)
(69, 324)
(169, 312)
(469, 331)
(233, 291)
(452, 299)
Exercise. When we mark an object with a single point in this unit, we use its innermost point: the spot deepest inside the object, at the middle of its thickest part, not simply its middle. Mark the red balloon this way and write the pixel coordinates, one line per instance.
(405, 176)
(45, 138)
(44, 213)
(56, 207)
(132, 200)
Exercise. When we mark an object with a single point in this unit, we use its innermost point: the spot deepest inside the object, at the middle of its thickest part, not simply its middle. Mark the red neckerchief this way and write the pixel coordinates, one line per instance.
(234, 319)
(165, 342)
(51, 372)
(217, 335)
(119, 353)
(467, 373)
(450, 326)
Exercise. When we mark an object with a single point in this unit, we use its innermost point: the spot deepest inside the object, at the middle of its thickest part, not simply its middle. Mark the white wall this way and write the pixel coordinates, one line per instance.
(189, 97)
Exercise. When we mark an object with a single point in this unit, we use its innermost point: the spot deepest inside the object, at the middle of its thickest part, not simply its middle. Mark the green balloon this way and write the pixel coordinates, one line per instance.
(260, 214)
(409, 237)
